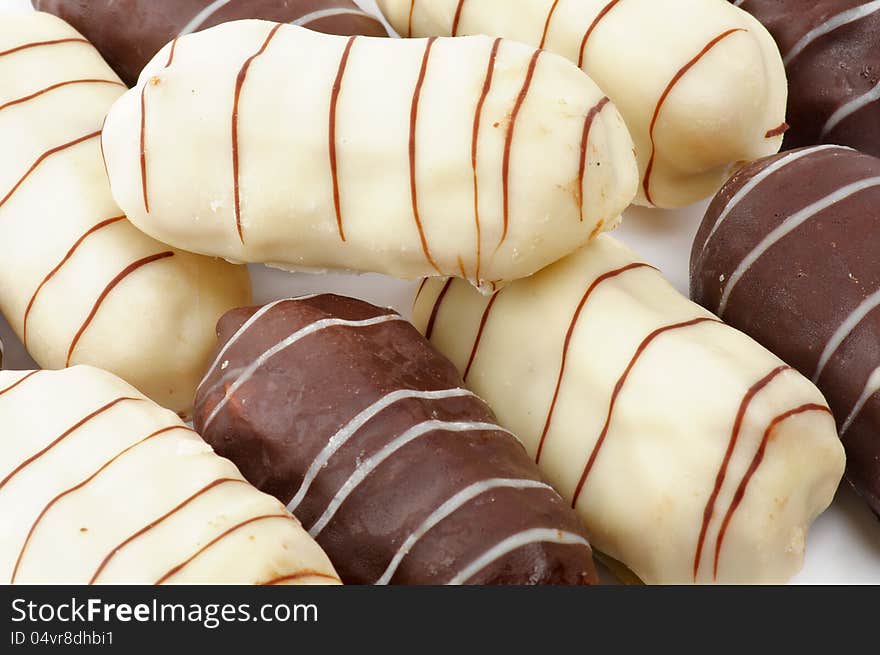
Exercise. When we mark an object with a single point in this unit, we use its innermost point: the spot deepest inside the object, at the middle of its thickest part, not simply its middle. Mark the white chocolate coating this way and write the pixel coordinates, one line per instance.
(714, 95)
(245, 127)
(78, 283)
(100, 485)
(647, 392)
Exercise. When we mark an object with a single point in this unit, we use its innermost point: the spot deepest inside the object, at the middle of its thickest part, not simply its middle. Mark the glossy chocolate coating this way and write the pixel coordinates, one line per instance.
(129, 32)
(793, 263)
(440, 497)
(832, 56)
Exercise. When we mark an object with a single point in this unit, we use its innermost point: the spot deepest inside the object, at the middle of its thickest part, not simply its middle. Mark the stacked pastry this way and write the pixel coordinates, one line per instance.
(400, 474)
(563, 393)
(691, 453)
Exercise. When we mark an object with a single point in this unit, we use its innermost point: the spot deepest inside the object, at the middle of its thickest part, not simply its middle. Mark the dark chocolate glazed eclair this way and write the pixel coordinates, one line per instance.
(788, 253)
(832, 57)
(129, 32)
(346, 413)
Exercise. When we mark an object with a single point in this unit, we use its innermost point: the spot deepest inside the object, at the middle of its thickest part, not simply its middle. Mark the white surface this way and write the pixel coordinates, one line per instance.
(844, 545)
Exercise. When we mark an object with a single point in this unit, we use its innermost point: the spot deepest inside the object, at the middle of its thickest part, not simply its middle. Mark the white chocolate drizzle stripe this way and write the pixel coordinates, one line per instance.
(525, 538)
(846, 328)
(872, 386)
(851, 108)
(750, 186)
(199, 19)
(317, 326)
(373, 461)
(351, 428)
(455, 503)
(318, 14)
(787, 226)
(841, 19)
(244, 328)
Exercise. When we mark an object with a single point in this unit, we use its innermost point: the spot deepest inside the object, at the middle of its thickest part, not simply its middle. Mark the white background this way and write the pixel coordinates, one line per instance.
(844, 545)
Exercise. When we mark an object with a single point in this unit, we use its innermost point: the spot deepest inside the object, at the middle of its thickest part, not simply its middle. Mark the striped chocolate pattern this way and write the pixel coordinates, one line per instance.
(374, 432)
(129, 44)
(787, 253)
(830, 52)
(124, 410)
(60, 151)
(710, 516)
(337, 93)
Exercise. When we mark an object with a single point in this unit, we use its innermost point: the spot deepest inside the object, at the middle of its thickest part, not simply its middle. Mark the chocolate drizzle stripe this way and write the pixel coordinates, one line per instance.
(455, 21)
(755, 181)
(369, 464)
(176, 569)
(448, 508)
(40, 44)
(478, 339)
(567, 343)
(585, 142)
(320, 14)
(58, 267)
(845, 329)
(478, 116)
(872, 386)
(17, 382)
(508, 143)
(833, 23)
(76, 426)
(116, 549)
(334, 100)
(43, 158)
(300, 334)
(59, 85)
(142, 153)
(756, 462)
(128, 270)
(618, 387)
(709, 509)
(781, 129)
(435, 310)
(850, 108)
(420, 289)
(547, 23)
(515, 542)
(143, 136)
(298, 576)
(646, 183)
(79, 486)
(171, 53)
(239, 85)
(202, 16)
(244, 328)
(600, 16)
(412, 8)
(413, 124)
(347, 431)
(788, 225)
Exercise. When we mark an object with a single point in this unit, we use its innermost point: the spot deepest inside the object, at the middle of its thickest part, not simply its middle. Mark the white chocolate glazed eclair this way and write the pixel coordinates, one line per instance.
(700, 83)
(259, 142)
(107, 487)
(78, 283)
(691, 452)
